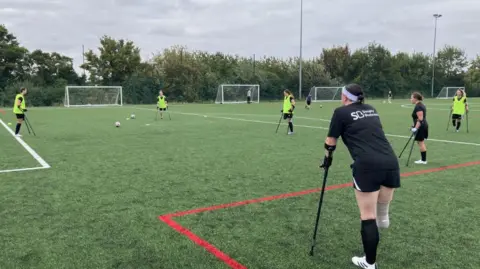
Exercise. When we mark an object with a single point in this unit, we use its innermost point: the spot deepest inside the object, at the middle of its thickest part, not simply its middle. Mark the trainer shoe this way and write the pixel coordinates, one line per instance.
(421, 162)
(290, 133)
(362, 263)
(18, 135)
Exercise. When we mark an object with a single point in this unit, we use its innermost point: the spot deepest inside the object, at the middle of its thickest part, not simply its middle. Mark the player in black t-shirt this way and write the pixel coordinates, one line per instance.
(375, 168)
(420, 125)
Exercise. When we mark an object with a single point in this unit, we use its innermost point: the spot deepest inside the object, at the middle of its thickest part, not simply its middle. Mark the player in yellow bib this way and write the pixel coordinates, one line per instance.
(162, 103)
(19, 108)
(288, 107)
(459, 108)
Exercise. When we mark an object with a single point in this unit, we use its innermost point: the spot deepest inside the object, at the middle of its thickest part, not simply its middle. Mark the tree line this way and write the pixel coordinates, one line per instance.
(194, 76)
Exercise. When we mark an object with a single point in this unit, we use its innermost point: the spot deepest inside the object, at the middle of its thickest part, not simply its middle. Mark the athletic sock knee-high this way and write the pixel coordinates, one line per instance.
(453, 122)
(290, 125)
(370, 239)
(17, 128)
(424, 155)
(458, 125)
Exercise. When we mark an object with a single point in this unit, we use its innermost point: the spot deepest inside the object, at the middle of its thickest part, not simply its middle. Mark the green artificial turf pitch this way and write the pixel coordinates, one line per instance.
(98, 205)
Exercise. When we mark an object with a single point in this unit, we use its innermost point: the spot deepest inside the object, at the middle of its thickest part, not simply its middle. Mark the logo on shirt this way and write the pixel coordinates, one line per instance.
(360, 114)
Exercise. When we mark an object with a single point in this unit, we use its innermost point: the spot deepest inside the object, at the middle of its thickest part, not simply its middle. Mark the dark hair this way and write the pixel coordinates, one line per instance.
(417, 96)
(356, 90)
(22, 89)
(289, 92)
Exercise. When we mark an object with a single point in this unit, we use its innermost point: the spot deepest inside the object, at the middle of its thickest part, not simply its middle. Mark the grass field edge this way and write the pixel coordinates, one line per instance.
(29, 149)
(232, 263)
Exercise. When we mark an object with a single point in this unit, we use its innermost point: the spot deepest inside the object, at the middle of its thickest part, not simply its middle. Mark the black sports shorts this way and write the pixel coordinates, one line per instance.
(422, 133)
(371, 180)
(456, 116)
(20, 116)
(287, 116)
(249, 98)
(162, 109)
(309, 102)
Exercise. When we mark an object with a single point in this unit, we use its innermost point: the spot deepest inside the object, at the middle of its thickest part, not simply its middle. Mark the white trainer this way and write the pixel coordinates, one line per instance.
(421, 162)
(18, 135)
(362, 263)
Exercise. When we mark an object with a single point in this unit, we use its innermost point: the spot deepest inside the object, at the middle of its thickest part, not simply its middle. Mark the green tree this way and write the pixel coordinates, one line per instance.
(12, 58)
(118, 60)
(46, 68)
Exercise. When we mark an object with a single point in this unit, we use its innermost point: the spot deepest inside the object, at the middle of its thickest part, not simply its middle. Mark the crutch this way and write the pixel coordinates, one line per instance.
(399, 156)
(467, 121)
(279, 121)
(320, 202)
(29, 126)
(449, 117)
(410, 154)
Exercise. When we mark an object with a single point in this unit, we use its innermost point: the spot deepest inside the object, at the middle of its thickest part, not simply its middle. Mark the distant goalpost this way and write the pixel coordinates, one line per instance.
(87, 96)
(325, 94)
(237, 93)
(448, 92)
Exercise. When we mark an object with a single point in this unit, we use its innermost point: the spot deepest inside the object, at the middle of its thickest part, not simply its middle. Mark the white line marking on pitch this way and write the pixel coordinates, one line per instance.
(37, 157)
(306, 126)
(23, 169)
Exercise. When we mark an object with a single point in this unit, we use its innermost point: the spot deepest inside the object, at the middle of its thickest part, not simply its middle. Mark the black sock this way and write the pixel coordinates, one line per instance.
(370, 239)
(453, 122)
(424, 155)
(17, 128)
(290, 125)
(458, 125)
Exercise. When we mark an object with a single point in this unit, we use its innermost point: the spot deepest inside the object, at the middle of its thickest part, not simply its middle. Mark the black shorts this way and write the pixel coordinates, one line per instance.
(162, 109)
(371, 180)
(422, 133)
(287, 116)
(249, 98)
(309, 102)
(456, 116)
(20, 116)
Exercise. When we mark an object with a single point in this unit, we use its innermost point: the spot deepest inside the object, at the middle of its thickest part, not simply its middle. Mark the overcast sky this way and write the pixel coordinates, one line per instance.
(245, 27)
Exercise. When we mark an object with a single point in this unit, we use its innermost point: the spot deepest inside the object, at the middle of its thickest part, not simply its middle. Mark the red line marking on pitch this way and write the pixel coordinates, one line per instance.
(232, 263)
(2, 111)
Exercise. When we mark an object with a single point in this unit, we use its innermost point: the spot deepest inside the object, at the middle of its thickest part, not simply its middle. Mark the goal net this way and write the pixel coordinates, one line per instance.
(448, 92)
(237, 93)
(78, 96)
(323, 94)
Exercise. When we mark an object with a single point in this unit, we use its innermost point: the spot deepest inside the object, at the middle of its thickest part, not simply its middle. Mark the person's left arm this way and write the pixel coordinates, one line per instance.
(292, 101)
(334, 132)
(419, 121)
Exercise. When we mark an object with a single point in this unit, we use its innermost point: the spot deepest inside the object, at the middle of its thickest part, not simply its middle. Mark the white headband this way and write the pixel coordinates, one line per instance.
(349, 95)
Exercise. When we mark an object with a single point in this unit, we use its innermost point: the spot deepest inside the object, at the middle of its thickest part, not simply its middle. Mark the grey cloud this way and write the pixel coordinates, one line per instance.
(245, 27)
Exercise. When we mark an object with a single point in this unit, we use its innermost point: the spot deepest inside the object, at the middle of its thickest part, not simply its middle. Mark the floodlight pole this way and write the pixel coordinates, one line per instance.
(300, 59)
(436, 16)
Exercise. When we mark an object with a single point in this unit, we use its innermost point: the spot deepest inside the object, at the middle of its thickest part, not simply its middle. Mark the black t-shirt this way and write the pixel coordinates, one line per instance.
(419, 107)
(361, 130)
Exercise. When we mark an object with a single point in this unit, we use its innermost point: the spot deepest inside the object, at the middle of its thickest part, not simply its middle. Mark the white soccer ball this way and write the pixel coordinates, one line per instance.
(117, 124)
(132, 116)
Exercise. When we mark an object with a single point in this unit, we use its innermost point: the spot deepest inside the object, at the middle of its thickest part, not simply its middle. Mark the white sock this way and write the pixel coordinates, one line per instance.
(383, 221)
